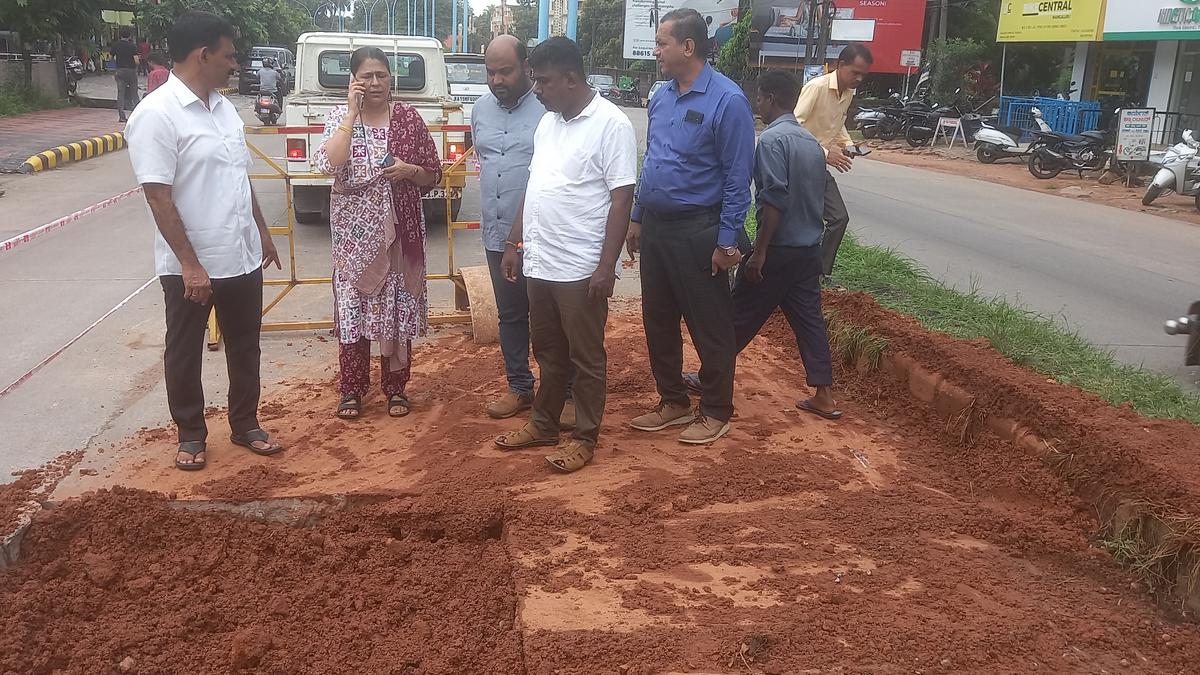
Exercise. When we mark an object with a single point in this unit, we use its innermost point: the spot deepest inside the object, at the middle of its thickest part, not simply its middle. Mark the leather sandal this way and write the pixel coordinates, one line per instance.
(350, 408)
(523, 438)
(398, 405)
(248, 439)
(192, 448)
(572, 457)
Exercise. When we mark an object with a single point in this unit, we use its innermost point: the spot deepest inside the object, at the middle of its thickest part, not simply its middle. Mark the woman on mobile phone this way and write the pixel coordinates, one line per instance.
(383, 160)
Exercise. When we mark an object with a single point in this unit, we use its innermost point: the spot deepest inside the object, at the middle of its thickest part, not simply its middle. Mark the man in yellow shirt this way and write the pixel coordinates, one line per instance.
(822, 109)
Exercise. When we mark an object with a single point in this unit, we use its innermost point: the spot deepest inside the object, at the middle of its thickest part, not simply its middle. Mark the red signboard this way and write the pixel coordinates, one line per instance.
(898, 25)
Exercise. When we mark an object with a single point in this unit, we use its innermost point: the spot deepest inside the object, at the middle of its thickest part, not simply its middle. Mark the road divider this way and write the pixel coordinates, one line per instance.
(74, 152)
(53, 225)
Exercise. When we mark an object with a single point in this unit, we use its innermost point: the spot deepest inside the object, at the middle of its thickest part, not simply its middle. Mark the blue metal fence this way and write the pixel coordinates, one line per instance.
(1066, 117)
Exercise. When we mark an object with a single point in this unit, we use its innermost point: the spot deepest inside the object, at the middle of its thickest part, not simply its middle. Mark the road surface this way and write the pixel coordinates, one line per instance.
(1112, 273)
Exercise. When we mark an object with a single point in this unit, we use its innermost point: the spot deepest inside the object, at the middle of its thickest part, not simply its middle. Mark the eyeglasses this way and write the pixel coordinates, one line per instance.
(370, 77)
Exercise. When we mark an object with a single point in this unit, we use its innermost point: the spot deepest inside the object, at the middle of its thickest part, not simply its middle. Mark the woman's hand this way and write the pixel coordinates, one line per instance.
(401, 171)
(354, 97)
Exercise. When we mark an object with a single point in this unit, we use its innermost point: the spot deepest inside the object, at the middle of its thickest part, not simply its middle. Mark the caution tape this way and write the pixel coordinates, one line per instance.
(36, 232)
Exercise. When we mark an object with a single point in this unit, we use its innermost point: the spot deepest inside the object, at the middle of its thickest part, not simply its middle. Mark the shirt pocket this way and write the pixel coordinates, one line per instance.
(697, 140)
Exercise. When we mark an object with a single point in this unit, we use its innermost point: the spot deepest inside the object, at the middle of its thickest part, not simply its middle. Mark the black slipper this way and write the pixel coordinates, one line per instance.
(399, 401)
(192, 448)
(807, 406)
(350, 404)
(248, 439)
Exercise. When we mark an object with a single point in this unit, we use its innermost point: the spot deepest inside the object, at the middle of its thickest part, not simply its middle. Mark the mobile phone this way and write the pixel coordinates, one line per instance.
(387, 161)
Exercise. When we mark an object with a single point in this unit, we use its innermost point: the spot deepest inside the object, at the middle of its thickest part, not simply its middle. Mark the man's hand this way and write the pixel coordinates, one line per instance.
(633, 239)
(401, 171)
(197, 287)
(510, 264)
(270, 254)
(839, 161)
(722, 261)
(604, 279)
(754, 266)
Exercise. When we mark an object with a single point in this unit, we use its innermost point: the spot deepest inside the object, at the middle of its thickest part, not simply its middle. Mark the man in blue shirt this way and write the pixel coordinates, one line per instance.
(687, 222)
(502, 125)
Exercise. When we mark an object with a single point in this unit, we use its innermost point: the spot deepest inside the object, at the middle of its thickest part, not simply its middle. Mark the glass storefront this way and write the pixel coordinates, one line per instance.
(1185, 91)
(1121, 73)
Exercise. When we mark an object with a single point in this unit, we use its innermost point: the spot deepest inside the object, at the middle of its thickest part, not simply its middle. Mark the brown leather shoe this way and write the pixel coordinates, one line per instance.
(665, 415)
(566, 421)
(509, 404)
(704, 430)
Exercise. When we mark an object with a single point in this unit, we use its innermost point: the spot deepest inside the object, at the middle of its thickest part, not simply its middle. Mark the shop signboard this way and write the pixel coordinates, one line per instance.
(1051, 20)
(886, 27)
(1135, 126)
(1152, 20)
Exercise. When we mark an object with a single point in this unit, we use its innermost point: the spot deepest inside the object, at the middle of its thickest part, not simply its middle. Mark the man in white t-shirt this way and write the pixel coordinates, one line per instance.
(189, 153)
(567, 239)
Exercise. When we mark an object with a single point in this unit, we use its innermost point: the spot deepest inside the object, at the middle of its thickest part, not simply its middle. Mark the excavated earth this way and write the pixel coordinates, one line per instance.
(881, 543)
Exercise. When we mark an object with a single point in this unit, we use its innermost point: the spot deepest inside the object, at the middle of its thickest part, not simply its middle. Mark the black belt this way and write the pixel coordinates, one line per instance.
(690, 213)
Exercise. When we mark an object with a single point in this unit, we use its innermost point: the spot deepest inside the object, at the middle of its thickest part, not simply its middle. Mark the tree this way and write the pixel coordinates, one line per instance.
(63, 21)
(258, 22)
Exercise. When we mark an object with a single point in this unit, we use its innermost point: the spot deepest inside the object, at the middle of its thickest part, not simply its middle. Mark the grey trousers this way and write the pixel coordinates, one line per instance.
(836, 220)
(127, 90)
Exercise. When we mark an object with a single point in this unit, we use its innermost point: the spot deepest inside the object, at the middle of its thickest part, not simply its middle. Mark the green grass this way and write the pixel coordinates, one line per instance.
(1027, 338)
(21, 99)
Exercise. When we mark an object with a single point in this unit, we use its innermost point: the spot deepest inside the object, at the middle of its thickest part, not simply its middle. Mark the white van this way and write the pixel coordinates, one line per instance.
(322, 77)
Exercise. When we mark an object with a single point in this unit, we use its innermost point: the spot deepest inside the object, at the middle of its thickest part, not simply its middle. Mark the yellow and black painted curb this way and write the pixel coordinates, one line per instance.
(227, 91)
(74, 152)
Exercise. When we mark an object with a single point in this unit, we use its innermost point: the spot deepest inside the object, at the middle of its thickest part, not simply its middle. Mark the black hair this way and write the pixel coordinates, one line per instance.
(559, 53)
(158, 57)
(782, 86)
(193, 30)
(855, 51)
(687, 24)
(364, 54)
(125, 32)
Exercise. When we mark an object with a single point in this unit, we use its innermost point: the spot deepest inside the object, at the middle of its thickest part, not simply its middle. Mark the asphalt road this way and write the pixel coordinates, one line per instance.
(1114, 274)
(1111, 274)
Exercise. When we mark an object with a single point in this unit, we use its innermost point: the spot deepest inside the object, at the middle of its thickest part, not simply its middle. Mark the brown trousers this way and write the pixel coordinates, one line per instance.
(567, 328)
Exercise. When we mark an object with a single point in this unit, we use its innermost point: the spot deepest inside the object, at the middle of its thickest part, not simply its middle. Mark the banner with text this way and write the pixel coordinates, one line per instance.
(642, 17)
(1050, 20)
(1152, 20)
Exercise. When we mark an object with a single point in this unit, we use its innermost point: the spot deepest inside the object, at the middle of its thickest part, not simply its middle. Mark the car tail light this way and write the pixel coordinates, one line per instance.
(297, 148)
(456, 152)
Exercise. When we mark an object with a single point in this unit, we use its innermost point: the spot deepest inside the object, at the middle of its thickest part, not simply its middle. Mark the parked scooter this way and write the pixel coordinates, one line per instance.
(1188, 325)
(993, 142)
(267, 108)
(868, 120)
(74, 68)
(1179, 172)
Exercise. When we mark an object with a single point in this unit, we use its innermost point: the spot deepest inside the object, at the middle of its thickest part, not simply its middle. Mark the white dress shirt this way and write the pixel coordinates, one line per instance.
(201, 153)
(576, 164)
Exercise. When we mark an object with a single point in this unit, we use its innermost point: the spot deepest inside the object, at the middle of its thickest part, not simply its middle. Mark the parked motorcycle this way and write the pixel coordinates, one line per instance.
(1051, 153)
(267, 109)
(629, 97)
(923, 125)
(1179, 172)
(1188, 325)
(868, 120)
(74, 67)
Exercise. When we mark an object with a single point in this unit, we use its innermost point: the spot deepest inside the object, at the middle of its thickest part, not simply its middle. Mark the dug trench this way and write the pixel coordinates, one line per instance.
(895, 540)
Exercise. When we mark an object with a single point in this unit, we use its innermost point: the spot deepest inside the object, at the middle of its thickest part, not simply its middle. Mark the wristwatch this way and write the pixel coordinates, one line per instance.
(729, 250)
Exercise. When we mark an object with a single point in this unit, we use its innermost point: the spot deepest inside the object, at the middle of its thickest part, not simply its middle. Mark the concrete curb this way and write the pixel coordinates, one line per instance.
(74, 152)
(227, 91)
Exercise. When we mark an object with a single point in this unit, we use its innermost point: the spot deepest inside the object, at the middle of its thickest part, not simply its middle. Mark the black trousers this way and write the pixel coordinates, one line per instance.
(836, 220)
(239, 314)
(568, 341)
(677, 282)
(791, 281)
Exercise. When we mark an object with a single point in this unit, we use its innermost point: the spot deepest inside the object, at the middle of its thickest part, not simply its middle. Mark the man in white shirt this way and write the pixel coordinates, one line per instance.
(567, 239)
(189, 153)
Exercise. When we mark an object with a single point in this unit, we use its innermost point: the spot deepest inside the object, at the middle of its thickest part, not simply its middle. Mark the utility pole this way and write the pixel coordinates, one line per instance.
(810, 25)
(824, 25)
(942, 19)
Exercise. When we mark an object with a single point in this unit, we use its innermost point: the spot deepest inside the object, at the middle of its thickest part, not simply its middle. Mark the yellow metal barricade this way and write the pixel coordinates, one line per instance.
(457, 166)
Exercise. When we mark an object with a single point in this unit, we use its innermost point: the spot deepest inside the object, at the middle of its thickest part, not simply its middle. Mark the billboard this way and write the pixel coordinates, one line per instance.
(887, 27)
(642, 16)
(1152, 20)
(1051, 20)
